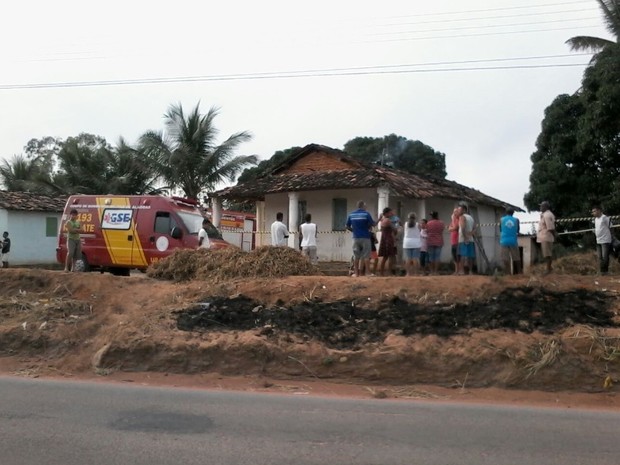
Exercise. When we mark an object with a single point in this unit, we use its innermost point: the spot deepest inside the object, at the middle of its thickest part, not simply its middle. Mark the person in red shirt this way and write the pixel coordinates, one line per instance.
(434, 230)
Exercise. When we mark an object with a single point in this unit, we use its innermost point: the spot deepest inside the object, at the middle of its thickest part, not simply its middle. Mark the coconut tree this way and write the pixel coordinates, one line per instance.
(89, 165)
(611, 17)
(22, 174)
(187, 156)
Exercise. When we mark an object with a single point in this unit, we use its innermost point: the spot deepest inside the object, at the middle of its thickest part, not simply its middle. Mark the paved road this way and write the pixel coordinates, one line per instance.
(73, 423)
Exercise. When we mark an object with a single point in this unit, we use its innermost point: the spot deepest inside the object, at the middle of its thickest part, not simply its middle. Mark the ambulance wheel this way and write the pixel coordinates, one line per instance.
(82, 265)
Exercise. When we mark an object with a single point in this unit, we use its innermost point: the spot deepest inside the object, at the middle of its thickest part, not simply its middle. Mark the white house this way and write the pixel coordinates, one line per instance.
(32, 221)
(328, 184)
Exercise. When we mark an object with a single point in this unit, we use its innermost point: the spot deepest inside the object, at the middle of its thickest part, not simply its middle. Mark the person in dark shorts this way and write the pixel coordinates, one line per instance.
(360, 223)
(5, 245)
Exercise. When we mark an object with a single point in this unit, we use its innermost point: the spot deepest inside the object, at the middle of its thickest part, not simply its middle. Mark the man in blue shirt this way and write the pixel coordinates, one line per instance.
(360, 223)
(509, 229)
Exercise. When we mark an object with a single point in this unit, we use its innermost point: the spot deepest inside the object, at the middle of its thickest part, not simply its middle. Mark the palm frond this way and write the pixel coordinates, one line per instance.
(611, 16)
(588, 44)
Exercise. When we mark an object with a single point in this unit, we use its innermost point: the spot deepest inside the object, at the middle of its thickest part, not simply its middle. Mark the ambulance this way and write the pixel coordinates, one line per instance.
(120, 233)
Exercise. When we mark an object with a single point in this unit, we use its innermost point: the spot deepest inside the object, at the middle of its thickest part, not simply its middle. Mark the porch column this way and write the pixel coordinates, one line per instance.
(383, 199)
(422, 210)
(260, 223)
(217, 211)
(293, 216)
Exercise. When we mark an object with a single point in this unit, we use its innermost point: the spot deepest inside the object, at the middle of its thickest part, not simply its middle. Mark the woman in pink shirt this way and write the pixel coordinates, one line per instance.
(434, 241)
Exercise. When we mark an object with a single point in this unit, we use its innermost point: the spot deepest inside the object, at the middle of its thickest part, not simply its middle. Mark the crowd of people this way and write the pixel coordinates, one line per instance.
(413, 247)
(417, 245)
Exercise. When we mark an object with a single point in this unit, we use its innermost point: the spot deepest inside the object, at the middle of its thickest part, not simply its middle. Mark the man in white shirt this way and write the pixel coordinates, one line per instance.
(546, 234)
(279, 232)
(308, 238)
(602, 229)
(203, 237)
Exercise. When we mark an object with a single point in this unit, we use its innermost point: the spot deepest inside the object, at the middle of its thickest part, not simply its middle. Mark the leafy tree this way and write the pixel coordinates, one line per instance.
(400, 153)
(611, 17)
(44, 150)
(186, 155)
(556, 163)
(577, 157)
(85, 164)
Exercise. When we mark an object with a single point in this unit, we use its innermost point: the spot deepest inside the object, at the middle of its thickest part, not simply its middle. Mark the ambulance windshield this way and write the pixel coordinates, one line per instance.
(193, 223)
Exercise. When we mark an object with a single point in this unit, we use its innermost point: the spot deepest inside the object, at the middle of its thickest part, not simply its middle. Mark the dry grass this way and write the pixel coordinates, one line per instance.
(232, 263)
(609, 346)
(414, 393)
(548, 353)
(582, 263)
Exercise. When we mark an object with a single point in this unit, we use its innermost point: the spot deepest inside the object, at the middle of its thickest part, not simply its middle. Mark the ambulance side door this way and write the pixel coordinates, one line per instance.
(160, 242)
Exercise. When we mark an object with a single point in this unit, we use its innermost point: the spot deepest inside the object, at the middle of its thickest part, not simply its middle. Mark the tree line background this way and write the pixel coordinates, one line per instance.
(576, 163)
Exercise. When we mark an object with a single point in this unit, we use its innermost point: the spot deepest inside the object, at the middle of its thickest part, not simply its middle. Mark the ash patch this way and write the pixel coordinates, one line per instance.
(347, 325)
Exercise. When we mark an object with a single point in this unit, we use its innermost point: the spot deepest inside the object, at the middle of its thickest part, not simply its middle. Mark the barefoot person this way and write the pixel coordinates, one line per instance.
(74, 246)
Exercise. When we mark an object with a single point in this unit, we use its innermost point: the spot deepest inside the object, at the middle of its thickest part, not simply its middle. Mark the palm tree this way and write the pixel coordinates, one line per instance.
(611, 16)
(23, 174)
(186, 156)
(89, 165)
(130, 172)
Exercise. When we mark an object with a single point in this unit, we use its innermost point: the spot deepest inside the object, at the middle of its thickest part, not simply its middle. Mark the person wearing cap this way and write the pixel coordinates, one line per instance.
(546, 234)
(602, 229)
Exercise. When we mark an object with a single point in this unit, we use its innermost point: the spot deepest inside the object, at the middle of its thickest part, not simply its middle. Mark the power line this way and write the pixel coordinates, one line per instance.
(360, 71)
(546, 13)
(482, 34)
(540, 5)
(487, 26)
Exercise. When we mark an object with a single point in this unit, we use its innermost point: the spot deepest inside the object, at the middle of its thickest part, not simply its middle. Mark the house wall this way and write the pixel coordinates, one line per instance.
(29, 243)
(331, 245)
(337, 245)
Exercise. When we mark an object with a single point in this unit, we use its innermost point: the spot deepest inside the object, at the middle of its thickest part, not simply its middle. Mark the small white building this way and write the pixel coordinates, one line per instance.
(328, 184)
(32, 221)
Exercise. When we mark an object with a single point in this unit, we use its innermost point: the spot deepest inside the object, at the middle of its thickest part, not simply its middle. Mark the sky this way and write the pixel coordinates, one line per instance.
(470, 79)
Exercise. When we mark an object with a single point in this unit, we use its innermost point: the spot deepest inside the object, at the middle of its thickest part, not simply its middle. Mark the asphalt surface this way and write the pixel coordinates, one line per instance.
(79, 423)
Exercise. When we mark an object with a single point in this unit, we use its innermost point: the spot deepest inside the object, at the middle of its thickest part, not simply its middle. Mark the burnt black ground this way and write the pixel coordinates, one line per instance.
(347, 325)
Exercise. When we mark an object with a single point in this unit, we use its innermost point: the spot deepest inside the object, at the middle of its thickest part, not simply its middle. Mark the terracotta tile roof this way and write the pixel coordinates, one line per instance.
(361, 175)
(28, 201)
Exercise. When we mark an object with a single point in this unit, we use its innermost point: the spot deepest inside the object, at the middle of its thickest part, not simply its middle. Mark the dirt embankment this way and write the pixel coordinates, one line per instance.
(557, 333)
